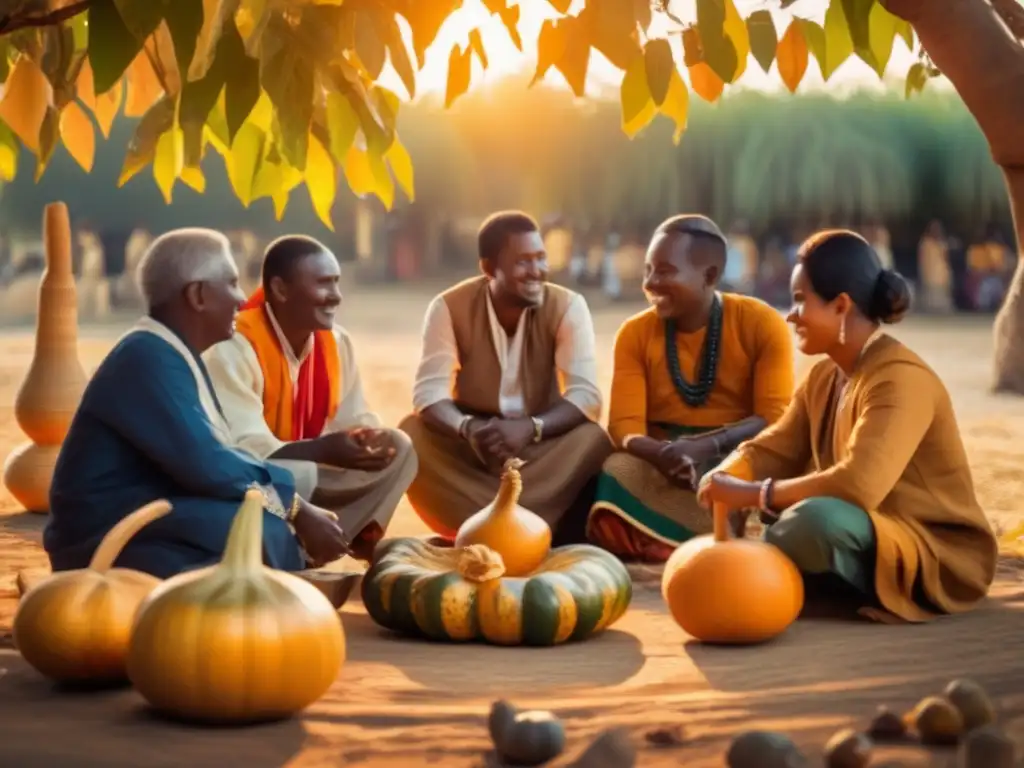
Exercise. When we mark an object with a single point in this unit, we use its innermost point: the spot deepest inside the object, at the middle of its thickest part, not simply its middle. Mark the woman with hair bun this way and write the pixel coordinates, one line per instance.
(864, 481)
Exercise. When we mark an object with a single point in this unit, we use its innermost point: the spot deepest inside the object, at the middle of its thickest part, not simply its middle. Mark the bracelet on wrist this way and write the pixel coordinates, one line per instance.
(766, 497)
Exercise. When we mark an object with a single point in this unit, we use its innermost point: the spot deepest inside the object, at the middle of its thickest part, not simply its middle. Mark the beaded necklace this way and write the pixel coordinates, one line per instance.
(695, 395)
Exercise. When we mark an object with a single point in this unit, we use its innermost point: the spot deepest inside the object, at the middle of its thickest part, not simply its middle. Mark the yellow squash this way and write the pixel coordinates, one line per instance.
(236, 642)
(74, 627)
(521, 537)
(443, 593)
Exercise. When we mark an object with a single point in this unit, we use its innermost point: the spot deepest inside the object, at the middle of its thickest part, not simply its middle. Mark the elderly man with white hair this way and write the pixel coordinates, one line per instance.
(149, 426)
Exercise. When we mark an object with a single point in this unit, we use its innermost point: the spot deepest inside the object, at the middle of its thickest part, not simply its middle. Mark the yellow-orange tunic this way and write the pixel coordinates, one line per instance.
(755, 378)
(893, 449)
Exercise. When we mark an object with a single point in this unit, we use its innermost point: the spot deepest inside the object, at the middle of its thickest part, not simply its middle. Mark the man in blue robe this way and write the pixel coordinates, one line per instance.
(149, 427)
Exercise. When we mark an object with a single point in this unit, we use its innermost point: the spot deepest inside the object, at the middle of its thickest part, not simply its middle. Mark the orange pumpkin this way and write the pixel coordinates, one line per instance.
(735, 591)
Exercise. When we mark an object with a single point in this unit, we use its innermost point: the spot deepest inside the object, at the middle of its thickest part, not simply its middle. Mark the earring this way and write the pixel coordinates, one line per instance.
(842, 331)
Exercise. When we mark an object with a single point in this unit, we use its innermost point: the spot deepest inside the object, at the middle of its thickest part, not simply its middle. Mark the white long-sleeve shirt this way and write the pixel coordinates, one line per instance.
(575, 358)
(238, 381)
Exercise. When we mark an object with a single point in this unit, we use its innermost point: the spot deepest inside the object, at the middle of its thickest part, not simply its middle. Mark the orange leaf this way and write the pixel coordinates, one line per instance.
(27, 94)
(791, 56)
(143, 86)
(77, 133)
(460, 69)
(705, 82)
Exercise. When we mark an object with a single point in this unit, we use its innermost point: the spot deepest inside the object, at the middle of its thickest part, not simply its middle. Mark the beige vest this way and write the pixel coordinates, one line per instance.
(478, 381)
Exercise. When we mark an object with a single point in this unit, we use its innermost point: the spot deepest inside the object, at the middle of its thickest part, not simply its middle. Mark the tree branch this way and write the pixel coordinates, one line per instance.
(1012, 14)
(13, 23)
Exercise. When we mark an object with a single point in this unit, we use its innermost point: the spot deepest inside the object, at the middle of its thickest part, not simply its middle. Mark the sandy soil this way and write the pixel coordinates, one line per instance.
(403, 703)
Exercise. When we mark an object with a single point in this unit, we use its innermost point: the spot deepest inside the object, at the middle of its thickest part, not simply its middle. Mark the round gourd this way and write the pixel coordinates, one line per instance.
(74, 627)
(236, 642)
(731, 591)
(521, 537)
(444, 593)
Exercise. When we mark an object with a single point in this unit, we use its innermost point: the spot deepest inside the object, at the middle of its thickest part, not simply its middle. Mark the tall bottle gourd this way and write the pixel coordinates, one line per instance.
(521, 537)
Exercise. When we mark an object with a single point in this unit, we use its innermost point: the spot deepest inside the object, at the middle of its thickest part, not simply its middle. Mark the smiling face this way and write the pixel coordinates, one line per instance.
(521, 269)
(310, 297)
(217, 300)
(816, 321)
(675, 282)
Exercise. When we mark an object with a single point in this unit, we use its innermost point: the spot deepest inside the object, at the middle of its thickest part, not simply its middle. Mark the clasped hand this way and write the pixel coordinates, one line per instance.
(363, 448)
(495, 441)
(679, 460)
(320, 534)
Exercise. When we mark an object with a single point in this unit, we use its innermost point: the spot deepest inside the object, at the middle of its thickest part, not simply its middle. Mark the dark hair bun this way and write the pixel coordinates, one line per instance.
(891, 299)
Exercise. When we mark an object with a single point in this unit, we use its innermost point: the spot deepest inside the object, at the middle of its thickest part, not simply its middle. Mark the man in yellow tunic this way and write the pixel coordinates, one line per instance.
(695, 375)
(508, 370)
(864, 480)
(292, 394)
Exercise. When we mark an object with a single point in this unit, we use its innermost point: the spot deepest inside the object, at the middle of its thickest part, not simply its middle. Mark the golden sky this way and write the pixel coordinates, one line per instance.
(505, 59)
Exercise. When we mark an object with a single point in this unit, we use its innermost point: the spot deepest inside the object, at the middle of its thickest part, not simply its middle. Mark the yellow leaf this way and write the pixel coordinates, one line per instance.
(677, 105)
(401, 165)
(290, 179)
(705, 82)
(736, 30)
(882, 30)
(215, 13)
(85, 86)
(169, 161)
(143, 86)
(459, 73)
(8, 154)
(107, 106)
(838, 42)
(244, 160)
(27, 94)
(194, 178)
(791, 56)
(321, 181)
(384, 184)
(635, 96)
(358, 173)
(78, 136)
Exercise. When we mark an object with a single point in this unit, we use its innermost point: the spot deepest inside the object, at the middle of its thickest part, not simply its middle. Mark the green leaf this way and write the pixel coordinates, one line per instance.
(184, 19)
(241, 80)
(814, 36)
(659, 66)
(838, 43)
(719, 51)
(142, 148)
(215, 15)
(288, 78)
(858, 21)
(199, 97)
(764, 39)
(112, 46)
(917, 79)
(142, 17)
(342, 126)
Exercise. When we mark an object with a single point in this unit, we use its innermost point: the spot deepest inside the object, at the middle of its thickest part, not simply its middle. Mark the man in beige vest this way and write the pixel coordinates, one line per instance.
(508, 369)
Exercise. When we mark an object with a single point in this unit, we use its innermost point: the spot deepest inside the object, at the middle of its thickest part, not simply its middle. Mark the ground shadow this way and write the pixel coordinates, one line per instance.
(447, 669)
(28, 525)
(983, 644)
(44, 725)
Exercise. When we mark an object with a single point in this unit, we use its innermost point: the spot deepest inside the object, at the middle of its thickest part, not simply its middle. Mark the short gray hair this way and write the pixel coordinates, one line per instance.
(180, 257)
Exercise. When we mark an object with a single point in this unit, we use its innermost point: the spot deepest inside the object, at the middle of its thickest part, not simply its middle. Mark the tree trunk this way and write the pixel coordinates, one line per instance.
(973, 47)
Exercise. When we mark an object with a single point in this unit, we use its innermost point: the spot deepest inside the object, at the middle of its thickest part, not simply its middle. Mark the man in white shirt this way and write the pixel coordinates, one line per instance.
(291, 393)
(508, 370)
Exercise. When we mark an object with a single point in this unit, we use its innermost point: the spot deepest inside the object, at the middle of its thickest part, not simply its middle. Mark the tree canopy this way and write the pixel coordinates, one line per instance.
(289, 92)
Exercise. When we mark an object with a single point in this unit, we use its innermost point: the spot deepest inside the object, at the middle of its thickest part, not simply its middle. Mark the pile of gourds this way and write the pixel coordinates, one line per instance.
(246, 643)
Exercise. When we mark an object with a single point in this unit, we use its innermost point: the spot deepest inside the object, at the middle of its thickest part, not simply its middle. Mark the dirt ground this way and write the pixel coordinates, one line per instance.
(404, 703)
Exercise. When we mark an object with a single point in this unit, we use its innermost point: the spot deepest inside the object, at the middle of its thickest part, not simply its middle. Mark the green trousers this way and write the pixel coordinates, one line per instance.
(828, 539)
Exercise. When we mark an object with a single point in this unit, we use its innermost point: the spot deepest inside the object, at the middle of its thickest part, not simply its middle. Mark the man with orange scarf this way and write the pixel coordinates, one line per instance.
(292, 394)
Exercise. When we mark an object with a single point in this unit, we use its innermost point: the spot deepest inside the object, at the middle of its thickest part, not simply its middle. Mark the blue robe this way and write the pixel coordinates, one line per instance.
(141, 433)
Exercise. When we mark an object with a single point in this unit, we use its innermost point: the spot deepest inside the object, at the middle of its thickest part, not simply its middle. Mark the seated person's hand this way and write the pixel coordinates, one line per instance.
(674, 463)
(320, 534)
(359, 448)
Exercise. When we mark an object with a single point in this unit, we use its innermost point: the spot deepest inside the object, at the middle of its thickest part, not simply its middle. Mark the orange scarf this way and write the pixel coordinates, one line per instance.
(303, 413)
